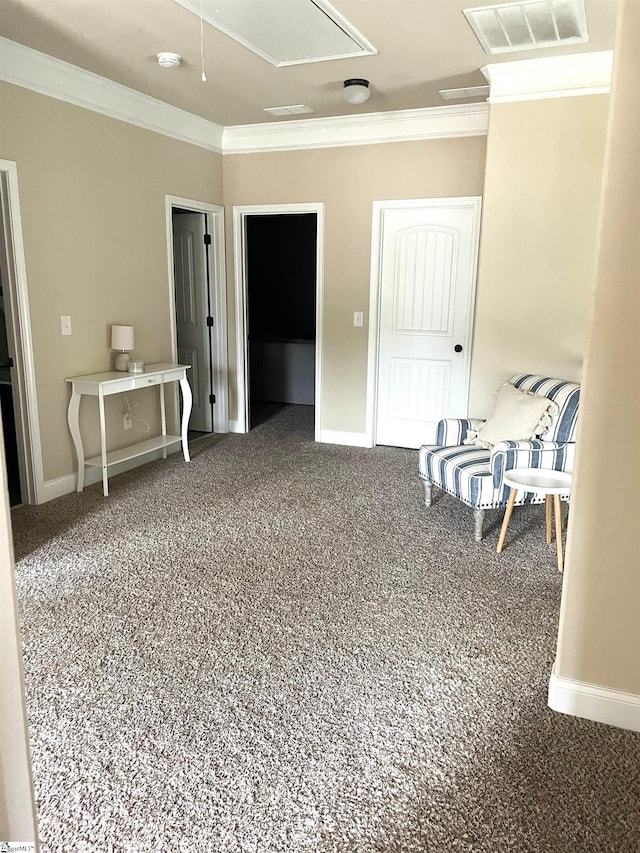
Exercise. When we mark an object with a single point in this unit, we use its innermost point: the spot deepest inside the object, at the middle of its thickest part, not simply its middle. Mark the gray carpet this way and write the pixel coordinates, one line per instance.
(276, 648)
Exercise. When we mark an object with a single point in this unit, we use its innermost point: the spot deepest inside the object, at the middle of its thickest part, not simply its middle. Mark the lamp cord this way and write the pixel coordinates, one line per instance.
(136, 421)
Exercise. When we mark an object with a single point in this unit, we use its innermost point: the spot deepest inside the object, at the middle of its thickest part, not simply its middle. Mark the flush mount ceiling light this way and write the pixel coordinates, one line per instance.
(166, 59)
(356, 90)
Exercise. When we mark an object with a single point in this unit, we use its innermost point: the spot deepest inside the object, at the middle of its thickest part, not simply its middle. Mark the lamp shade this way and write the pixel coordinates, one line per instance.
(122, 337)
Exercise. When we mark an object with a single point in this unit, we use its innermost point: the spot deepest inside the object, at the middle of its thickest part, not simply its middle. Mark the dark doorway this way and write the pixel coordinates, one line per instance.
(281, 306)
(6, 403)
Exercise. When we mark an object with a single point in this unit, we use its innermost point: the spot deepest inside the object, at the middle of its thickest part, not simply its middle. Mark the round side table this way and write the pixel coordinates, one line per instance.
(539, 482)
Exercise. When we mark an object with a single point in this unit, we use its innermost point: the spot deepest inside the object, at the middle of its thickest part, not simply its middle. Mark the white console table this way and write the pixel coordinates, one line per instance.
(103, 385)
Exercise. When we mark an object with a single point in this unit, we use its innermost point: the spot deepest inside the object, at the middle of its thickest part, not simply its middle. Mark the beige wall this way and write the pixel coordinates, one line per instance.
(536, 269)
(347, 180)
(599, 639)
(92, 194)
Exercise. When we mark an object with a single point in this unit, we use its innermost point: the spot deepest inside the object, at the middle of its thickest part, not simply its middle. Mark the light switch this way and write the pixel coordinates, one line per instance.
(65, 324)
(358, 318)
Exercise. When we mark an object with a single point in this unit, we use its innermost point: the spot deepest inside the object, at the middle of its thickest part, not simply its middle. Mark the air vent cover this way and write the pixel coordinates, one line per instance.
(528, 25)
(469, 92)
(293, 110)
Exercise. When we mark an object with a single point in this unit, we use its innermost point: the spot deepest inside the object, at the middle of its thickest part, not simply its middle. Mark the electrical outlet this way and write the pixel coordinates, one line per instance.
(127, 420)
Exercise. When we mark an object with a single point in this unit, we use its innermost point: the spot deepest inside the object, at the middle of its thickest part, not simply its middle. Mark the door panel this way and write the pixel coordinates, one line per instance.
(427, 285)
(192, 300)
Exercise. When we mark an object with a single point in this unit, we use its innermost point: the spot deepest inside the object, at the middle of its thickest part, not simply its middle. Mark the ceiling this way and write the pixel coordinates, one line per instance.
(423, 46)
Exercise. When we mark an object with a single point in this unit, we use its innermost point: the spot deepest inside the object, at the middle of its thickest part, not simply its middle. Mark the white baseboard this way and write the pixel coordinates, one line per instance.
(236, 426)
(592, 702)
(349, 439)
(52, 489)
(66, 484)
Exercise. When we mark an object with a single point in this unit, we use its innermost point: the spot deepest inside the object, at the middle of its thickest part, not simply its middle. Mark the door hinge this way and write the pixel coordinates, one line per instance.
(209, 321)
(212, 398)
(207, 239)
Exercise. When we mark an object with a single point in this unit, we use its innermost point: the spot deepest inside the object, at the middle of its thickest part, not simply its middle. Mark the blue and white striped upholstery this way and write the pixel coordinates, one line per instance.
(565, 394)
(475, 475)
(452, 431)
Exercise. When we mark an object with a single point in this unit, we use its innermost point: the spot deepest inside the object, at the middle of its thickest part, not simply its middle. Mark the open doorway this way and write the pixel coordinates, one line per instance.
(278, 297)
(195, 235)
(281, 311)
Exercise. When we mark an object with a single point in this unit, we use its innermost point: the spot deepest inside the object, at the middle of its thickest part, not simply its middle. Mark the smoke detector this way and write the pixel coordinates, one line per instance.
(166, 59)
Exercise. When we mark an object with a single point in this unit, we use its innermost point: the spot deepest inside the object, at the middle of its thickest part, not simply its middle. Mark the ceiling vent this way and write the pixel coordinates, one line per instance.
(284, 32)
(294, 110)
(529, 25)
(469, 92)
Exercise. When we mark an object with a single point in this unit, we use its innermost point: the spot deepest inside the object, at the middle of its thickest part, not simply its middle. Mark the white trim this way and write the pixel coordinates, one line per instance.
(27, 418)
(593, 702)
(377, 221)
(344, 437)
(41, 73)
(218, 295)
(236, 426)
(67, 484)
(367, 129)
(58, 487)
(240, 212)
(550, 77)
(54, 78)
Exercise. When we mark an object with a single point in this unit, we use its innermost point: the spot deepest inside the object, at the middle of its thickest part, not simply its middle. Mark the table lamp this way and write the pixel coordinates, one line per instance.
(122, 340)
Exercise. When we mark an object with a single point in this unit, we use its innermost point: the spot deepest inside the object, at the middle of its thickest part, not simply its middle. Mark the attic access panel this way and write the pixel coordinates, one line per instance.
(284, 32)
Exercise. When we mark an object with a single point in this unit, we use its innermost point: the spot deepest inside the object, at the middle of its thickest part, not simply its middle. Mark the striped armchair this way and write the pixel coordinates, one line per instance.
(474, 475)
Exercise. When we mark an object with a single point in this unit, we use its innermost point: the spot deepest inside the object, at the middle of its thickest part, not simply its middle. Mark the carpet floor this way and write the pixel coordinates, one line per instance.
(278, 648)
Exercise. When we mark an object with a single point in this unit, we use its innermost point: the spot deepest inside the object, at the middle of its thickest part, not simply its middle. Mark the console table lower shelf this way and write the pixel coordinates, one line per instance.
(103, 385)
(162, 442)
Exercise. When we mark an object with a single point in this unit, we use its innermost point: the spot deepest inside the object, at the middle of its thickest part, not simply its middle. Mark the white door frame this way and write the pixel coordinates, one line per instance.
(217, 295)
(20, 343)
(240, 212)
(379, 207)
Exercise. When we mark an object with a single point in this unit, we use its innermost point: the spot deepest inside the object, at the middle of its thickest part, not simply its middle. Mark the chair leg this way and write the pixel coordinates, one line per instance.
(478, 518)
(427, 492)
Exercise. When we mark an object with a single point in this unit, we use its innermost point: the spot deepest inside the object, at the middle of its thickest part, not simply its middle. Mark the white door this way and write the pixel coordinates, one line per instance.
(192, 311)
(427, 277)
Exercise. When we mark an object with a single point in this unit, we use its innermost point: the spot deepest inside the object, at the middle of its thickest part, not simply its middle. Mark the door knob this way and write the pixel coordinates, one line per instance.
(458, 347)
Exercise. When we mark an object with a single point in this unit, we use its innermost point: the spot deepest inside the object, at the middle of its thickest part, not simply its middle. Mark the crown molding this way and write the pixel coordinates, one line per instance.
(367, 129)
(550, 77)
(46, 75)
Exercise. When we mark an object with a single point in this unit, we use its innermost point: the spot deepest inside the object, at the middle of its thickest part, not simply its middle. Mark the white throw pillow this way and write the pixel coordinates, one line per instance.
(516, 416)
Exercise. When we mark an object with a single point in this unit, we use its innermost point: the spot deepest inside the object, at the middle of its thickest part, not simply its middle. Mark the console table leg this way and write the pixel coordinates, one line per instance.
(187, 401)
(74, 429)
(103, 446)
(163, 418)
